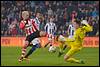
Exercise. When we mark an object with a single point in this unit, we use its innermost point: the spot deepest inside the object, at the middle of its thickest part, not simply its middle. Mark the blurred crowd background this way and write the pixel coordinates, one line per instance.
(62, 11)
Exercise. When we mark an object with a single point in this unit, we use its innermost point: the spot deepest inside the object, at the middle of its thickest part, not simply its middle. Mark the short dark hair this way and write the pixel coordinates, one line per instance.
(78, 21)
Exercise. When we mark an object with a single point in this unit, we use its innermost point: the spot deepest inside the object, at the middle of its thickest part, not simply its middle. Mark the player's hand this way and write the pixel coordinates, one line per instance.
(84, 22)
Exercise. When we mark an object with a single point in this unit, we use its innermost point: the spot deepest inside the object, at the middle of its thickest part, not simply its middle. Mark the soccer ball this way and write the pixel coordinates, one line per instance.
(52, 49)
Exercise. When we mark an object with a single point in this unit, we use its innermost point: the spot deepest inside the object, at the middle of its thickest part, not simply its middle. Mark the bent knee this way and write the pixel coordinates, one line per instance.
(26, 44)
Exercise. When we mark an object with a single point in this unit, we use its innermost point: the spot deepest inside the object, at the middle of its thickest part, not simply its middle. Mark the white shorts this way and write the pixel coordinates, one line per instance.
(35, 41)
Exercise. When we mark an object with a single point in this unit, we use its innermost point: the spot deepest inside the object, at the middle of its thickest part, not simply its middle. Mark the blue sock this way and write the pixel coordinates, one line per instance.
(31, 51)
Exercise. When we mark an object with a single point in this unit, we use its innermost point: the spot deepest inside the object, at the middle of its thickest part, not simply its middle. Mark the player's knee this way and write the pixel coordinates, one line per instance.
(66, 57)
(26, 44)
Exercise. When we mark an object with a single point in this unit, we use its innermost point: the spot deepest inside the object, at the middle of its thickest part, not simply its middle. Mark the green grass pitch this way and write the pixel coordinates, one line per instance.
(41, 57)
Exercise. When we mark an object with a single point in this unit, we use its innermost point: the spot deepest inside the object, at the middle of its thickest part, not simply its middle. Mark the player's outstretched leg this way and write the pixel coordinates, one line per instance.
(68, 58)
(64, 47)
(23, 51)
(34, 47)
(73, 60)
(61, 50)
(61, 47)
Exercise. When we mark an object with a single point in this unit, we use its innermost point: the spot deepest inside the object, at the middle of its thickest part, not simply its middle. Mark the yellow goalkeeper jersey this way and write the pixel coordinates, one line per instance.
(79, 35)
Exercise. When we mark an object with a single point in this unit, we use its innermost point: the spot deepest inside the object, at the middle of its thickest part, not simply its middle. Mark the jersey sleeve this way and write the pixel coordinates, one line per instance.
(70, 39)
(22, 25)
(87, 28)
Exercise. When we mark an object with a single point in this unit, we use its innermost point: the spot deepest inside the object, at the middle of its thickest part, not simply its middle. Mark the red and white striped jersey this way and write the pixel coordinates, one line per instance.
(30, 27)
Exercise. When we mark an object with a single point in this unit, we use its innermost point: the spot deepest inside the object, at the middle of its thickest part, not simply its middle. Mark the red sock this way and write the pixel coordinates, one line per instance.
(24, 50)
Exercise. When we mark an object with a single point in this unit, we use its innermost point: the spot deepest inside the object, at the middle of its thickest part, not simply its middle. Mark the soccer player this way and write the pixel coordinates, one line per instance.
(71, 29)
(36, 19)
(70, 32)
(50, 28)
(31, 29)
(35, 43)
(75, 43)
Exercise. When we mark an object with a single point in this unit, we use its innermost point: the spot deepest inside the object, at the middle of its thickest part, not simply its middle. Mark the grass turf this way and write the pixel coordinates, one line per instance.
(41, 57)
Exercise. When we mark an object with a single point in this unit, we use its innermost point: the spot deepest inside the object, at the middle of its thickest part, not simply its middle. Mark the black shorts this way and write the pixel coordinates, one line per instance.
(33, 36)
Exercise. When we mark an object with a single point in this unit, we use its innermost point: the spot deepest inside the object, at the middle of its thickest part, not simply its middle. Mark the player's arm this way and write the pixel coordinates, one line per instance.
(70, 39)
(62, 38)
(87, 27)
(22, 25)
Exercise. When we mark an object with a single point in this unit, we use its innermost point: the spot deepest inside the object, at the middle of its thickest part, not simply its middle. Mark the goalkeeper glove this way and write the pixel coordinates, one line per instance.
(84, 22)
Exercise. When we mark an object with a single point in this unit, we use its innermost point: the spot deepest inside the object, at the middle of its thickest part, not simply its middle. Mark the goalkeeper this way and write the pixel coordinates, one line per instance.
(75, 43)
